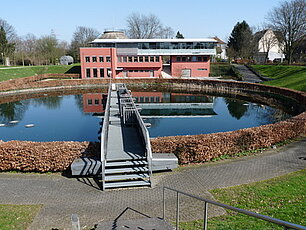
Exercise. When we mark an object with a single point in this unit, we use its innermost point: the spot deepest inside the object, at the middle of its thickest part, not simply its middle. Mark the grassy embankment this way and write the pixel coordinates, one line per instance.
(293, 77)
(19, 72)
(224, 70)
(282, 198)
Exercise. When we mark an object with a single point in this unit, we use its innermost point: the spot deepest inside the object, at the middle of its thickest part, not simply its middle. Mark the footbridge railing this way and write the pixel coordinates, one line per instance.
(104, 134)
(285, 224)
(131, 116)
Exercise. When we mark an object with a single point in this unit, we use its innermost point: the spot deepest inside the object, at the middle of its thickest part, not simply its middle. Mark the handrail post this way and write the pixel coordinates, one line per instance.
(164, 204)
(177, 210)
(205, 216)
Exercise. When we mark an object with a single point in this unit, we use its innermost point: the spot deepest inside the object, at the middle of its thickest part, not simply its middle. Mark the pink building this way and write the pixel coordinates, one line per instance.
(120, 57)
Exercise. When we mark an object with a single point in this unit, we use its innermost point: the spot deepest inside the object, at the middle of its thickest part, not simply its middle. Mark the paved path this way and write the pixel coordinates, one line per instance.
(63, 196)
(247, 75)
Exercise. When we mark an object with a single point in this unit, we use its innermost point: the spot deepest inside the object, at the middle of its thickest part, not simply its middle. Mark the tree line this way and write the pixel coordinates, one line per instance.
(47, 49)
(287, 21)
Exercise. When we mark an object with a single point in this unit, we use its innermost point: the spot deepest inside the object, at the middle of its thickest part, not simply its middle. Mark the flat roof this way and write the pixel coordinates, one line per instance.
(153, 40)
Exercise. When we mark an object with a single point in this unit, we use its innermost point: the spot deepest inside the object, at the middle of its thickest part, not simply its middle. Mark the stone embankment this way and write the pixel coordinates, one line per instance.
(57, 156)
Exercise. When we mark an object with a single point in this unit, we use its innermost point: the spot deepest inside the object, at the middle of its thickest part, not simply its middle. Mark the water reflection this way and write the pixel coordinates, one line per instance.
(78, 117)
(236, 108)
(12, 111)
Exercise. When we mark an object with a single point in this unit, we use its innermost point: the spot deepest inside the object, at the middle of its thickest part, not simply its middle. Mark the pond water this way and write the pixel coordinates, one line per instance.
(78, 117)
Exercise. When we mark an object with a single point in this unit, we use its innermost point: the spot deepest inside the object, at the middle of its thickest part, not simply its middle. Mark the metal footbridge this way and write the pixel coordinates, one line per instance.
(126, 154)
(126, 158)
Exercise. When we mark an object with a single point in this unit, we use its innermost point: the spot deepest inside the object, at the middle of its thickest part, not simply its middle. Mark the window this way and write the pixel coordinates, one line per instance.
(87, 59)
(193, 58)
(151, 99)
(146, 99)
(205, 59)
(94, 59)
(108, 59)
(95, 73)
(141, 99)
(96, 101)
(135, 59)
(141, 59)
(89, 101)
(130, 59)
(109, 71)
(157, 58)
(199, 59)
(101, 59)
(124, 58)
(152, 59)
(184, 59)
(146, 59)
(88, 73)
(178, 59)
(101, 72)
(157, 99)
(202, 69)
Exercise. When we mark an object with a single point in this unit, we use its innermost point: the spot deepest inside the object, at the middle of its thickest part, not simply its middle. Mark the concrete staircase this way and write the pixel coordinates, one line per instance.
(126, 173)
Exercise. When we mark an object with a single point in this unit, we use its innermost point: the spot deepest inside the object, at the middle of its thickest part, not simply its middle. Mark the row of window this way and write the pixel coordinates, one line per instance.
(139, 71)
(95, 59)
(147, 99)
(96, 102)
(159, 45)
(191, 59)
(138, 59)
(95, 72)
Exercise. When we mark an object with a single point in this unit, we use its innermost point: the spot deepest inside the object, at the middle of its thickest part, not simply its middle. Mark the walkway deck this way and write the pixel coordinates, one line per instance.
(124, 142)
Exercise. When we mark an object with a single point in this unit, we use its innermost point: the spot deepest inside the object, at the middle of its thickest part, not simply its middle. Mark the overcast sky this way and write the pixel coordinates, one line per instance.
(193, 18)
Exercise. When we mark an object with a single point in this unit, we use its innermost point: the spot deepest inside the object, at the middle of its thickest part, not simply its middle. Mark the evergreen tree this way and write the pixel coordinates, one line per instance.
(179, 35)
(240, 43)
(6, 48)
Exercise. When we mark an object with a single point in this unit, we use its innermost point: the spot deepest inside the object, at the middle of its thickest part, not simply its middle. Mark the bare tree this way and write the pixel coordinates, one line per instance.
(289, 20)
(81, 37)
(11, 35)
(142, 26)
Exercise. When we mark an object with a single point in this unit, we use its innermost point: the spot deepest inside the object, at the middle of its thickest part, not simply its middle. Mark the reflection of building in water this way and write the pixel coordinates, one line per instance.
(158, 97)
(155, 104)
(93, 102)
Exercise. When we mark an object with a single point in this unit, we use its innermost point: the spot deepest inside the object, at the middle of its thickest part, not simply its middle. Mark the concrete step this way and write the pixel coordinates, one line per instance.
(125, 163)
(125, 170)
(126, 177)
(127, 184)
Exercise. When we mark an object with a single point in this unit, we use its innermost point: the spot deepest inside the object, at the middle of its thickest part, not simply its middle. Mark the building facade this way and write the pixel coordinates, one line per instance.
(133, 58)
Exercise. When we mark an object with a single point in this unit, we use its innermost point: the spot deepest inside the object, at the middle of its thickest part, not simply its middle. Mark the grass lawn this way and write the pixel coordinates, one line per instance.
(293, 77)
(282, 198)
(6, 74)
(17, 216)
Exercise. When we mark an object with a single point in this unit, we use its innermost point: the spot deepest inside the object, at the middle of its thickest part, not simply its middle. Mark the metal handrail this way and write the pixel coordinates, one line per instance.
(104, 134)
(285, 224)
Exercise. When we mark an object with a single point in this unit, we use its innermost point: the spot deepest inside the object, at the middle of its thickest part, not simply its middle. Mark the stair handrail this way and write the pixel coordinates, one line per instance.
(143, 129)
(104, 134)
(285, 224)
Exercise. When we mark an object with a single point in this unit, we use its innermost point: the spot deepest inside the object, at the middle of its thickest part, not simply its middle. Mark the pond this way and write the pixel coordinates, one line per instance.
(78, 117)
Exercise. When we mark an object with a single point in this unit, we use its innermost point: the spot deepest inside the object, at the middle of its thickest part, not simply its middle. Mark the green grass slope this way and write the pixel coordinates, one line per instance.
(18, 72)
(282, 198)
(293, 77)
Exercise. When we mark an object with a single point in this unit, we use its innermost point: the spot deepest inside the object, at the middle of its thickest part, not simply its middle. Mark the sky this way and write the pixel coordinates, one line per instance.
(193, 18)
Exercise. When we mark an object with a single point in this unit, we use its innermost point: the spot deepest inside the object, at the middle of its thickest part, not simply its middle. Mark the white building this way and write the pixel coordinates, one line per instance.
(270, 47)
